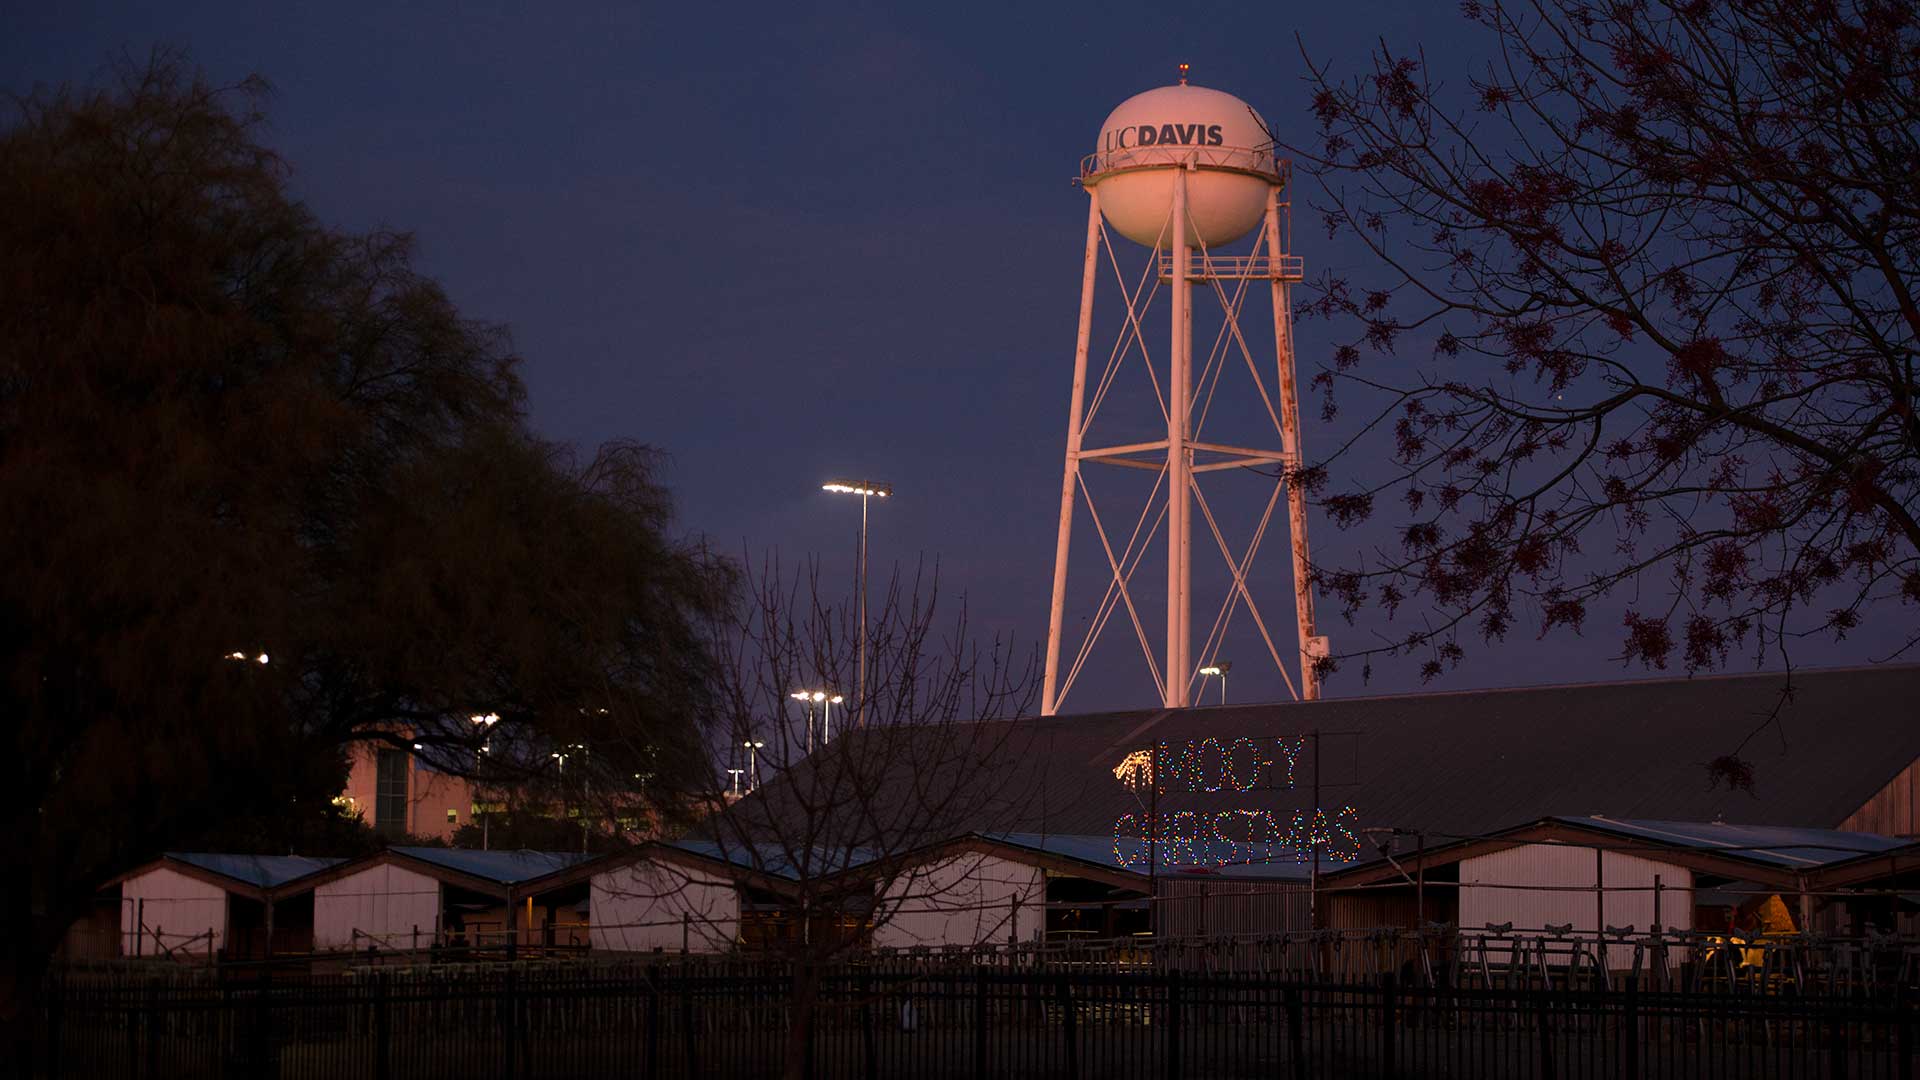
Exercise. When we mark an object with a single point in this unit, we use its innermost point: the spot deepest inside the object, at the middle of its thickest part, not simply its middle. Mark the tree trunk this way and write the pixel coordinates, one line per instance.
(806, 991)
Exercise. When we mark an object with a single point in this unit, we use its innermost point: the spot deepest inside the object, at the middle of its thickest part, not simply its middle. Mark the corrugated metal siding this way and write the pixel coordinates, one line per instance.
(1204, 908)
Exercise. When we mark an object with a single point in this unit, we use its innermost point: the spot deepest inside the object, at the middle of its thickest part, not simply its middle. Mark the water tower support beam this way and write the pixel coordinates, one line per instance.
(1179, 460)
(1290, 445)
(1049, 693)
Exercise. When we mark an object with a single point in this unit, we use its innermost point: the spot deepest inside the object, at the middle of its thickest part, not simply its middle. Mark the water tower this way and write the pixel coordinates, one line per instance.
(1185, 172)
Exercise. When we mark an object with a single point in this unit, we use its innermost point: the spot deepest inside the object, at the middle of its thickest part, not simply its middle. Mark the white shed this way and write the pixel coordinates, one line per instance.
(659, 901)
(196, 904)
(969, 896)
(383, 903)
(415, 897)
(1534, 886)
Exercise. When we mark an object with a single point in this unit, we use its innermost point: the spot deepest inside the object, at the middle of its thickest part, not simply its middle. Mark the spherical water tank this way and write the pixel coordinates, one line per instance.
(1151, 135)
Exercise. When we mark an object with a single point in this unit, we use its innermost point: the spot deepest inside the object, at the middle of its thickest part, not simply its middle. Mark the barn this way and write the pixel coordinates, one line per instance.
(1353, 784)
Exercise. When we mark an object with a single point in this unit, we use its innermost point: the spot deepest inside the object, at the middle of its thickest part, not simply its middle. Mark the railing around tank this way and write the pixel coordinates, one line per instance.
(1207, 267)
(1238, 158)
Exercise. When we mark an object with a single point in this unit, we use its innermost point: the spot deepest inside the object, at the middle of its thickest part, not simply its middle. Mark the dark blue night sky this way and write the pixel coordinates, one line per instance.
(786, 242)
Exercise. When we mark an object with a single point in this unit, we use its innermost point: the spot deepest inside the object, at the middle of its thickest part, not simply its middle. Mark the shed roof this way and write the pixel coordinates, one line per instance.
(1779, 845)
(776, 860)
(259, 871)
(1099, 850)
(503, 867)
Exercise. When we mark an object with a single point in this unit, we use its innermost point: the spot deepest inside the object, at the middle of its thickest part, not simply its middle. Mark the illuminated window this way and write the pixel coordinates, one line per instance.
(453, 816)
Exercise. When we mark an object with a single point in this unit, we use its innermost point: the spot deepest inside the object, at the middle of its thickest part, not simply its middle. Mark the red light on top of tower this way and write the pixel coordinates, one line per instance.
(1183, 74)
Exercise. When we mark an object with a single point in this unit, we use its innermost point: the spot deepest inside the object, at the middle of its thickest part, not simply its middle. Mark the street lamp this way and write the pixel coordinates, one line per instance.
(753, 762)
(1219, 669)
(865, 489)
(485, 722)
(735, 773)
(827, 701)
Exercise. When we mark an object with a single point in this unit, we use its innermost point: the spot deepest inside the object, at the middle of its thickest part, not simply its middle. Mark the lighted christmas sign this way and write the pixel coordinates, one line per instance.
(1226, 837)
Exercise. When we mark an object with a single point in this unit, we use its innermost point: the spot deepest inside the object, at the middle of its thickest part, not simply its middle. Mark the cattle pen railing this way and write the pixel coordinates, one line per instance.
(907, 1016)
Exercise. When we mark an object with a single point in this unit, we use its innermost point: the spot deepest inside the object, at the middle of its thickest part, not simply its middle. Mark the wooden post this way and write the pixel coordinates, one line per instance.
(1420, 882)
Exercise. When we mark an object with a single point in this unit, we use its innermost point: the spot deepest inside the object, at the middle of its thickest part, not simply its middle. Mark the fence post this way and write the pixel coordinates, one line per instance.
(1630, 1028)
(382, 1029)
(265, 1062)
(510, 1019)
(1069, 1023)
(687, 1034)
(980, 1023)
(133, 1033)
(653, 1025)
(1296, 1037)
(866, 1024)
(1837, 1036)
(1389, 1055)
(1173, 1024)
(153, 1030)
(1544, 1026)
(1904, 1039)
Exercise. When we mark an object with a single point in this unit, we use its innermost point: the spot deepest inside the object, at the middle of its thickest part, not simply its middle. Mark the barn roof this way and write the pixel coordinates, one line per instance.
(504, 867)
(260, 871)
(1801, 848)
(1099, 850)
(1468, 763)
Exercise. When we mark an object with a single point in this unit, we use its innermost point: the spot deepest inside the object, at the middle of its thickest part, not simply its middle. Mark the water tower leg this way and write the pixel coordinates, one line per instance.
(1179, 467)
(1050, 688)
(1290, 445)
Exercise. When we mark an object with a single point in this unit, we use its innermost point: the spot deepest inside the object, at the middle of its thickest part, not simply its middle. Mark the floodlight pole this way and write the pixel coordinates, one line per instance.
(866, 489)
(860, 666)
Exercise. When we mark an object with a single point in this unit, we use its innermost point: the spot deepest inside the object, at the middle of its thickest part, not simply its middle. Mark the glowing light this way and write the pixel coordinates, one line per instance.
(858, 487)
(1236, 837)
(1209, 765)
(1135, 770)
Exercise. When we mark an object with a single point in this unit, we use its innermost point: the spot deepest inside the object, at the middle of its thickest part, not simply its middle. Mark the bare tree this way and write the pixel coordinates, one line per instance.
(851, 827)
(1663, 255)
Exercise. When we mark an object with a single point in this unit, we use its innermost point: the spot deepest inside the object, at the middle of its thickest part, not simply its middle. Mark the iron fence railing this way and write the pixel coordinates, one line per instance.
(929, 1017)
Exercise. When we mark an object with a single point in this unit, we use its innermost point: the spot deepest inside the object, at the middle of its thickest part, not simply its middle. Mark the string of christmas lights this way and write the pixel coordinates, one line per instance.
(1191, 838)
(1208, 765)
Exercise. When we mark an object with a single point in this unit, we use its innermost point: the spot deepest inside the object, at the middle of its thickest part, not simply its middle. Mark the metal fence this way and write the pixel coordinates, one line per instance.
(932, 1020)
